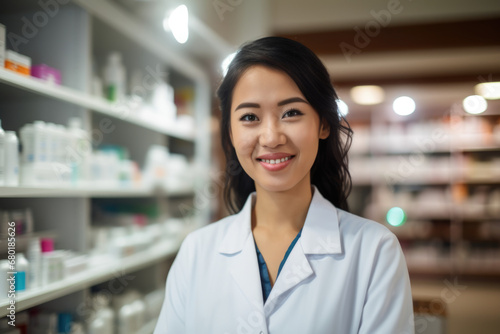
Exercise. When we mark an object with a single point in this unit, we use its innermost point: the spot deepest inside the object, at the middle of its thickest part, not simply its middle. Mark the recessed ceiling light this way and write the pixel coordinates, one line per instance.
(367, 95)
(475, 104)
(177, 23)
(488, 90)
(403, 105)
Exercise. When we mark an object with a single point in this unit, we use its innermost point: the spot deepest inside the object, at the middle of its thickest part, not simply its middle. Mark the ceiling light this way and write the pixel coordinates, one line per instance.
(475, 104)
(488, 90)
(177, 23)
(367, 95)
(403, 105)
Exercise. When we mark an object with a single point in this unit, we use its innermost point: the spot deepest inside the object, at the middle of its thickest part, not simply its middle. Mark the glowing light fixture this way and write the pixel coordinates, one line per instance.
(367, 95)
(403, 105)
(396, 216)
(226, 62)
(475, 104)
(343, 108)
(488, 90)
(177, 23)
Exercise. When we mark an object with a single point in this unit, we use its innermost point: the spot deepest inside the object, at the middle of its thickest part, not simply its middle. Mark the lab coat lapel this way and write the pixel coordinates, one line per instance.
(320, 235)
(245, 271)
(296, 270)
(239, 249)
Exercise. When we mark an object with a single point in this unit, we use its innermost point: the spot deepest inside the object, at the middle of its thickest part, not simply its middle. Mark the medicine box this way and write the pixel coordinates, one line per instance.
(17, 62)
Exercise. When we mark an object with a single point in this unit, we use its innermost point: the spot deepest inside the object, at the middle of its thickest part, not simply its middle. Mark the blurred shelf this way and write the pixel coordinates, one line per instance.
(480, 148)
(23, 239)
(407, 146)
(113, 269)
(479, 180)
(100, 105)
(30, 192)
(451, 212)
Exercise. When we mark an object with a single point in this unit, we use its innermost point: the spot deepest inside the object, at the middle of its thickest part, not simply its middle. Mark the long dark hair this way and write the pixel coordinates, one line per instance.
(329, 172)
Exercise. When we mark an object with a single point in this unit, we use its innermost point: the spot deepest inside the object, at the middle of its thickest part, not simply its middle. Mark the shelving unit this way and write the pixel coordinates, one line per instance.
(35, 192)
(69, 42)
(113, 268)
(449, 230)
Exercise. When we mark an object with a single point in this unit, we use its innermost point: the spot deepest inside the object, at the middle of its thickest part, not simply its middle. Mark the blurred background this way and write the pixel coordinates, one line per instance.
(112, 155)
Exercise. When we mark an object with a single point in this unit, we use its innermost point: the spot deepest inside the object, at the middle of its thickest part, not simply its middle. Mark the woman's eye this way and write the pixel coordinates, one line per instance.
(248, 118)
(291, 113)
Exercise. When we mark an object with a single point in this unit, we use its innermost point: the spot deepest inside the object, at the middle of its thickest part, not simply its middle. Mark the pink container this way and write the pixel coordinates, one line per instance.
(47, 245)
(46, 73)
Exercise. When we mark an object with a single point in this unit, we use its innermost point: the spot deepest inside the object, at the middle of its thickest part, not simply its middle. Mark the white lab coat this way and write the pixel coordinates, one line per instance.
(345, 275)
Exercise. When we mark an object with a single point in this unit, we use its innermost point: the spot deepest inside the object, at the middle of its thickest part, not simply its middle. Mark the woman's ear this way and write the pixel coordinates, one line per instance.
(324, 130)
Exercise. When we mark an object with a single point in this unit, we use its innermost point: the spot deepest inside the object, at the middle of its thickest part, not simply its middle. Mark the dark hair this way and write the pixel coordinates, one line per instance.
(329, 172)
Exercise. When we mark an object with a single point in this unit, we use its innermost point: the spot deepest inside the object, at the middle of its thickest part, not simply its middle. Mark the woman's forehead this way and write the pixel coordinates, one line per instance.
(264, 82)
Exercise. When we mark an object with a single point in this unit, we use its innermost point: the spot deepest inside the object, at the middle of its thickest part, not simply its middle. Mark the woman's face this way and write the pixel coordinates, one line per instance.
(274, 130)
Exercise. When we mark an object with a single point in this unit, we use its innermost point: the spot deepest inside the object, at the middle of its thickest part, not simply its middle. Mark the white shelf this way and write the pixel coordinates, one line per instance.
(23, 192)
(113, 269)
(94, 103)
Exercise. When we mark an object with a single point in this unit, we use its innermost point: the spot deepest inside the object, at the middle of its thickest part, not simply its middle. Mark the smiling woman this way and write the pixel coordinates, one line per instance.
(279, 124)
(291, 259)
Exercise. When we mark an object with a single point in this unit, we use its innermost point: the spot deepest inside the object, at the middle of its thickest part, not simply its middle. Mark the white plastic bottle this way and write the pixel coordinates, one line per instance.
(51, 142)
(114, 77)
(140, 313)
(60, 166)
(11, 159)
(27, 172)
(27, 140)
(81, 149)
(35, 263)
(40, 141)
(61, 141)
(163, 99)
(127, 323)
(103, 321)
(22, 272)
(3, 145)
(4, 284)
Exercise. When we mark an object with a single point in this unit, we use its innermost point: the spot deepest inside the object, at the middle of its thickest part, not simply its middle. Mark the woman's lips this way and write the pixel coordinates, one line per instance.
(276, 164)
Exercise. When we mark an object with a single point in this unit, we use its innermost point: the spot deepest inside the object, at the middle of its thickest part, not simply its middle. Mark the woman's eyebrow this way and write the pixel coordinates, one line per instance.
(281, 103)
(292, 100)
(247, 105)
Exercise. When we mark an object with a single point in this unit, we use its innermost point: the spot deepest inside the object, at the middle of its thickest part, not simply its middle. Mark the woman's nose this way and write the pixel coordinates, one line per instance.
(271, 135)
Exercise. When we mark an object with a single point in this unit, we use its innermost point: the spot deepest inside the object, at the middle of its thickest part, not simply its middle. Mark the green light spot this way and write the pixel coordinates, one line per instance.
(396, 216)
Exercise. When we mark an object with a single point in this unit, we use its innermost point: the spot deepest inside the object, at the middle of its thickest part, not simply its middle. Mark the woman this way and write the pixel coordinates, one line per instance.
(292, 259)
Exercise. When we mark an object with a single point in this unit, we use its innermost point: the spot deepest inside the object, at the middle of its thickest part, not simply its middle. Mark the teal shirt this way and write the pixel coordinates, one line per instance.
(265, 281)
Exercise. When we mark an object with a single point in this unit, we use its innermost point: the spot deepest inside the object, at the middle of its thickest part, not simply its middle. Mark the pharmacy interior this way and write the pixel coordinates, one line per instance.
(109, 147)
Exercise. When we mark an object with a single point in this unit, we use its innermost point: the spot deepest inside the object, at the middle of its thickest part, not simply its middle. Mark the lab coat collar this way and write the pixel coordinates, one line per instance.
(320, 234)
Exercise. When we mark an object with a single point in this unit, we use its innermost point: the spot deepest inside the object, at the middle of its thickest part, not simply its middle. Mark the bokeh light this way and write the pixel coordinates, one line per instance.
(396, 216)
(475, 104)
(488, 90)
(177, 22)
(343, 108)
(367, 95)
(403, 105)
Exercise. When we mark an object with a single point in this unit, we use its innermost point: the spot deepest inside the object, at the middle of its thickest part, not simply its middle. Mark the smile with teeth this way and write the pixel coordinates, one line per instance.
(276, 161)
